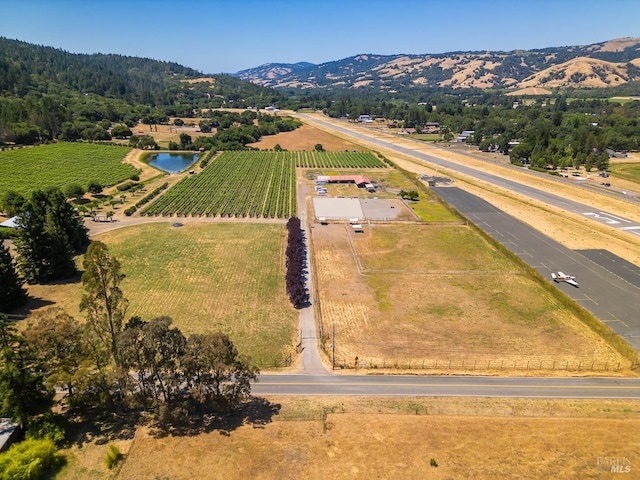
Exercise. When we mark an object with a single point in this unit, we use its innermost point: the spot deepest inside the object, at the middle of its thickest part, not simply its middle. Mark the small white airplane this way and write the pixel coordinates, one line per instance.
(563, 277)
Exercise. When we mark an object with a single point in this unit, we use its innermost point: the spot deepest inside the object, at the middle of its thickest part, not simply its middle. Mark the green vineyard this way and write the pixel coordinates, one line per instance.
(336, 160)
(62, 164)
(250, 184)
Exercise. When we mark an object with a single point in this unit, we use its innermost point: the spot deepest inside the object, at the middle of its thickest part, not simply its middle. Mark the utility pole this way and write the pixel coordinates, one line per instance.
(333, 348)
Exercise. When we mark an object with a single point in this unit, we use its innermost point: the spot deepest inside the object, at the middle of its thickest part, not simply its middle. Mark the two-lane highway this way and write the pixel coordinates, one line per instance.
(448, 386)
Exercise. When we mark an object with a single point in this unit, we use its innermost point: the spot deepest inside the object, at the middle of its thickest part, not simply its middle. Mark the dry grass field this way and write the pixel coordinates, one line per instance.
(359, 438)
(305, 138)
(206, 276)
(402, 294)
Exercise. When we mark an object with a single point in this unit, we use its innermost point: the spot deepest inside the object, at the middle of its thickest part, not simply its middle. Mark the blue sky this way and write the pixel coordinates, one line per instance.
(227, 36)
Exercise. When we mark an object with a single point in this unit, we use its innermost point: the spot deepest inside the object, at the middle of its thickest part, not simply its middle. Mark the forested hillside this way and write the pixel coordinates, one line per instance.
(47, 93)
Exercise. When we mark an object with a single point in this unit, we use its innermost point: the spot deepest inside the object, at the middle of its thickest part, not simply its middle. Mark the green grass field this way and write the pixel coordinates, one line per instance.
(627, 171)
(211, 277)
(62, 164)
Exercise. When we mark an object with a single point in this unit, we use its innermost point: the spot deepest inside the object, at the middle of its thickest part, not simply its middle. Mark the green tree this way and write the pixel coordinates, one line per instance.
(103, 299)
(57, 338)
(185, 141)
(12, 295)
(318, 147)
(216, 374)
(74, 191)
(153, 350)
(94, 187)
(50, 232)
(22, 391)
(12, 202)
(121, 131)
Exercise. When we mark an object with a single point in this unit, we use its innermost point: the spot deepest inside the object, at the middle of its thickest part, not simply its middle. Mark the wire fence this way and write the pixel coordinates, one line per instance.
(520, 364)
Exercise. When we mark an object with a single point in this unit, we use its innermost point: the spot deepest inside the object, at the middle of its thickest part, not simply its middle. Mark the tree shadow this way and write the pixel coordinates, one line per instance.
(256, 412)
(33, 304)
(100, 427)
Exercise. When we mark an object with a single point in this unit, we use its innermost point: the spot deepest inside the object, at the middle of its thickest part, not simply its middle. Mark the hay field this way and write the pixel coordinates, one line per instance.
(205, 276)
(415, 293)
(389, 438)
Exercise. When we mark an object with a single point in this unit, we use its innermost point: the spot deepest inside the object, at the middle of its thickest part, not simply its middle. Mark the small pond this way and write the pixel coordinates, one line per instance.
(172, 162)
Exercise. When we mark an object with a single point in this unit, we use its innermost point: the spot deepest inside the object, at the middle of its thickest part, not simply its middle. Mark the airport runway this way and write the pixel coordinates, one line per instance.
(608, 288)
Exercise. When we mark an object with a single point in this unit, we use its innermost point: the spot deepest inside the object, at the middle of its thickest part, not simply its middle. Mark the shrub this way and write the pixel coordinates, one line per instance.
(113, 457)
(126, 186)
(130, 211)
(49, 426)
(28, 460)
(94, 188)
(433, 462)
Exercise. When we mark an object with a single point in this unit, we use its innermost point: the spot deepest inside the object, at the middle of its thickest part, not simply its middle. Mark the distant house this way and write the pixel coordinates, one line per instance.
(271, 108)
(365, 119)
(431, 127)
(463, 136)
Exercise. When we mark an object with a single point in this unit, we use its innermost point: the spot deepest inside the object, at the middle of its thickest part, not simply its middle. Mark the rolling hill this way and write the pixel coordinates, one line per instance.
(605, 64)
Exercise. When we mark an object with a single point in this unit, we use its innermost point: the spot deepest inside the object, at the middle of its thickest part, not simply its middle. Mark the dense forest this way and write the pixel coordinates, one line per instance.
(47, 93)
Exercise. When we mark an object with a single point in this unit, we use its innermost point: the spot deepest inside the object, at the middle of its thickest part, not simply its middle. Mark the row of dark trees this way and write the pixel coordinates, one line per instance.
(295, 260)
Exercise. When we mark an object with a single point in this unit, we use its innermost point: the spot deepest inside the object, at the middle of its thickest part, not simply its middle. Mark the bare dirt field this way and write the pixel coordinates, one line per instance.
(305, 138)
(348, 438)
(410, 294)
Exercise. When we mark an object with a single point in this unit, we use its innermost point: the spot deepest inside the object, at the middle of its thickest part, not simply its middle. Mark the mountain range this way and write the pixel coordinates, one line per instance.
(607, 64)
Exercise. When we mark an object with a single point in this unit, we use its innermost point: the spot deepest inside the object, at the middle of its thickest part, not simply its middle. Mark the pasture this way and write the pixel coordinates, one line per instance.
(206, 277)
(628, 171)
(362, 438)
(416, 294)
(62, 164)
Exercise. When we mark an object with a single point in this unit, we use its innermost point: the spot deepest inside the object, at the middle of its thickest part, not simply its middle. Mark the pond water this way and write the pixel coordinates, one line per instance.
(173, 162)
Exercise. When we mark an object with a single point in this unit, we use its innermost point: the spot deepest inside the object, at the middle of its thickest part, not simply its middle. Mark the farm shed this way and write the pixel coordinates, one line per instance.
(360, 180)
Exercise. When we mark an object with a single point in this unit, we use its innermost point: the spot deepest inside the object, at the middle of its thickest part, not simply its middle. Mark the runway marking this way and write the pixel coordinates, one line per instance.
(604, 217)
(635, 230)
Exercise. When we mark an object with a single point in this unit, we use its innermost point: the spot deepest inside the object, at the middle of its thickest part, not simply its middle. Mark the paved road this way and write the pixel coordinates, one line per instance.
(447, 386)
(598, 215)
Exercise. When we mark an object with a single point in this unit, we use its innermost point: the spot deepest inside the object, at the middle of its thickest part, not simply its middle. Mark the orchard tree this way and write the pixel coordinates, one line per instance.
(12, 295)
(103, 299)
